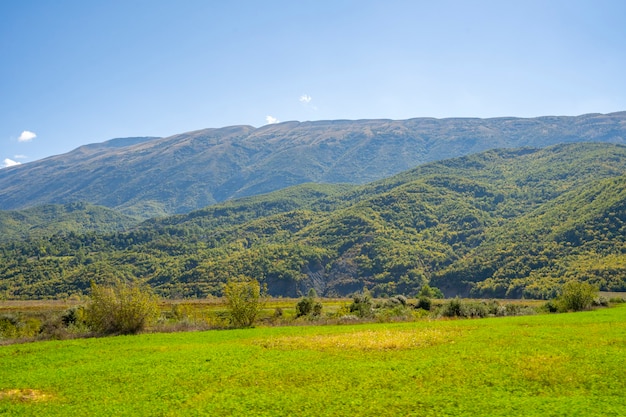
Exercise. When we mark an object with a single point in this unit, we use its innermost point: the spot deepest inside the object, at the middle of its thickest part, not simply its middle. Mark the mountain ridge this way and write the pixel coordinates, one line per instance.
(150, 177)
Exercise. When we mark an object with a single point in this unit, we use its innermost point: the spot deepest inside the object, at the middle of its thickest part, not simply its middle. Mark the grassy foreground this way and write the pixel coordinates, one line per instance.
(547, 365)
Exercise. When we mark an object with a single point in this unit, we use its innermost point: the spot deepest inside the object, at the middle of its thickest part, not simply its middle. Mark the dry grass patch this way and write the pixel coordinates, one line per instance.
(366, 340)
(25, 395)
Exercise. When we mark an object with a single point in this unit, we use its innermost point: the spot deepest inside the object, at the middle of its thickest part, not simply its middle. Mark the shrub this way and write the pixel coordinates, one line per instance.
(551, 306)
(73, 316)
(361, 304)
(454, 308)
(304, 307)
(18, 326)
(9, 326)
(121, 309)
(475, 310)
(425, 303)
(600, 302)
(278, 313)
(401, 299)
(468, 309)
(309, 306)
(577, 296)
(244, 299)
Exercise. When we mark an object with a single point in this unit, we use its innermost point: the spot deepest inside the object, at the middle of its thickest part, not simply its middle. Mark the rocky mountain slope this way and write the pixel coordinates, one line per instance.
(149, 177)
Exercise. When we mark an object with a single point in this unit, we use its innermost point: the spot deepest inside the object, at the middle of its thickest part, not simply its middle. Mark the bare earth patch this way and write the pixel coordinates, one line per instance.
(25, 395)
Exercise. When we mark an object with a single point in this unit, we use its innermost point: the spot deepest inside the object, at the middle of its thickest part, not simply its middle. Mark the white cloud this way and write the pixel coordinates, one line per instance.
(271, 120)
(305, 98)
(26, 136)
(20, 156)
(9, 163)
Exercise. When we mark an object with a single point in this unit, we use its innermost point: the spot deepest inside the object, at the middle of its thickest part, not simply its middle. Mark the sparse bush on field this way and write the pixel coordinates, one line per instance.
(309, 305)
(395, 313)
(424, 302)
(600, 302)
(121, 309)
(15, 326)
(361, 304)
(617, 300)
(576, 296)
(551, 306)
(457, 307)
(9, 325)
(399, 299)
(453, 308)
(74, 316)
(181, 312)
(244, 299)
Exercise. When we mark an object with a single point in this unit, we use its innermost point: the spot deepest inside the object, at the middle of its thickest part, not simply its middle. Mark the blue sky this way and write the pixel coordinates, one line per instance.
(78, 72)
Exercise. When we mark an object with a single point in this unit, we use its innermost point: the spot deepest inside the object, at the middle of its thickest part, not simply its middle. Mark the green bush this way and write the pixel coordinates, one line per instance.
(454, 308)
(304, 307)
(425, 303)
(362, 305)
(18, 326)
(479, 309)
(400, 299)
(309, 306)
(551, 306)
(73, 316)
(577, 296)
(9, 326)
(244, 299)
(600, 302)
(121, 309)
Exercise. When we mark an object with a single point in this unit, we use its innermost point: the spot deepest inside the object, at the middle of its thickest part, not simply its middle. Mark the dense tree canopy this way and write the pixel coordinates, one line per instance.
(507, 223)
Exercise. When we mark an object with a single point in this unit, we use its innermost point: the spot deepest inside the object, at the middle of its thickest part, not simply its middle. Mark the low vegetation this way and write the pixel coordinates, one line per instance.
(120, 309)
(127, 308)
(244, 299)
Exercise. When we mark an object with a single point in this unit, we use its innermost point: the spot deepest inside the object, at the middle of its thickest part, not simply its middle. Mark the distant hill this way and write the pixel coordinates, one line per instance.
(501, 223)
(46, 220)
(151, 177)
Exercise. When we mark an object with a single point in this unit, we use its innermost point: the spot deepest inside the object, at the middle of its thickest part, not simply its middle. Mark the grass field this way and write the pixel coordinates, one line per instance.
(546, 365)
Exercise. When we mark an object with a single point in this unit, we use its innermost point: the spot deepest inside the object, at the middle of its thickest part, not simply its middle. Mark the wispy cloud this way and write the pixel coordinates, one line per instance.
(26, 136)
(306, 99)
(20, 156)
(271, 120)
(9, 163)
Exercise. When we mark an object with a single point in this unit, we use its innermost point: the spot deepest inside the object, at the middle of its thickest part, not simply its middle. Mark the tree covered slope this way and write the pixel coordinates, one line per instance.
(502, 223)
(52, 219)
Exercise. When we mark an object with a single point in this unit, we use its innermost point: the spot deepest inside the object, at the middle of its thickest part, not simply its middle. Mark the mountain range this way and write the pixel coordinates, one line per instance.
(147, 177)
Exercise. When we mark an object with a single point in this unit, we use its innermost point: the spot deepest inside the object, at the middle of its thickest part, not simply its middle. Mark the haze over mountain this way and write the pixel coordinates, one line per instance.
(149, 177)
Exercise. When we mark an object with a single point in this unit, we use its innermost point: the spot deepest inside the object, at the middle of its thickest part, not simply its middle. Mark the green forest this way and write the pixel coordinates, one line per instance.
(502, 223)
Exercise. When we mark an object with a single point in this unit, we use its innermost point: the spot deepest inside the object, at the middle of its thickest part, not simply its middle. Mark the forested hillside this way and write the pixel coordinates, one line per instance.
(150, 177)
(503, 223)
(50, 219)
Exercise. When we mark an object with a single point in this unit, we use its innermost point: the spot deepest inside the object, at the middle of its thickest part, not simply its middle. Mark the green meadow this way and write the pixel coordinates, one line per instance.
(545, 365)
